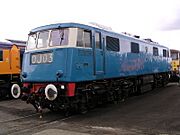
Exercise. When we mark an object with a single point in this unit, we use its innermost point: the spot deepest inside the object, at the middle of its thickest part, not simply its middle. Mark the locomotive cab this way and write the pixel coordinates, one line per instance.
(59, 57)
(51, 54)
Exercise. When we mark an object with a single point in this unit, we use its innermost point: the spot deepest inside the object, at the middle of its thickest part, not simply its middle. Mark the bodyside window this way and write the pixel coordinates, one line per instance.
(98, 40)
(134, 47)
(1, 55)
(84, 38)
(165, 53)
(112, 44)
(155, 51)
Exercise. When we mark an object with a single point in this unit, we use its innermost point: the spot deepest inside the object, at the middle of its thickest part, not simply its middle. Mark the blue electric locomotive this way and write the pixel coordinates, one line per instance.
(76, 66)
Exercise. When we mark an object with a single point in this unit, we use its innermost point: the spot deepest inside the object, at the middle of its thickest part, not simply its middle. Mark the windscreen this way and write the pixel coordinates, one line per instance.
(49, 38)
(59, 37)
(42, 41)
(174, 56)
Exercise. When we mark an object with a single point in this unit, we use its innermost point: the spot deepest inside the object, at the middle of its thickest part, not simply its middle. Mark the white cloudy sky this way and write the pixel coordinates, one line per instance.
(156, 19)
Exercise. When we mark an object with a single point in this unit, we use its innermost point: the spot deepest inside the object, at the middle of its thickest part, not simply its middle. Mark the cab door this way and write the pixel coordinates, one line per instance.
(98, 54)
(15, 60)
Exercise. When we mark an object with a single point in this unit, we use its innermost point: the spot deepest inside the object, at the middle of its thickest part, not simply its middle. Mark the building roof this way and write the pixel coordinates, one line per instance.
(17, 42)
(8, 43)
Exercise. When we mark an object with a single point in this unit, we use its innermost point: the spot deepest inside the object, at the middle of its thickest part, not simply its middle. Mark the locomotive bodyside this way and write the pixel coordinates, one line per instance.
(93, 63)
(70, 60)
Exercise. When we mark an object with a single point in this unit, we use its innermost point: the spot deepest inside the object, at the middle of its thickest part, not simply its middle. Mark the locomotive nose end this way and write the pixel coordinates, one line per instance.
(59, 73)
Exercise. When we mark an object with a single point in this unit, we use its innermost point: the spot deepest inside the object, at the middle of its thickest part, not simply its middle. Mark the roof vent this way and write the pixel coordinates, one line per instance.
(100, 26)
(150, 40)
(136, 36)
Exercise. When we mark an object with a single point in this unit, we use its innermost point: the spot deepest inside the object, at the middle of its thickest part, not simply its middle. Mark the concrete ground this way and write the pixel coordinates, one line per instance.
(155, 112)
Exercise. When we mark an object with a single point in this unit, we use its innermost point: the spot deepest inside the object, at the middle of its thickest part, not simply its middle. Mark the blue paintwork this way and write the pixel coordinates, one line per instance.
(77, 64)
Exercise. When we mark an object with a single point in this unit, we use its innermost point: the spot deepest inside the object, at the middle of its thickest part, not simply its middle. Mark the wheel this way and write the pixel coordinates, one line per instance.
(67, 113)
(83, 109)
(15, 91)
(53, 108)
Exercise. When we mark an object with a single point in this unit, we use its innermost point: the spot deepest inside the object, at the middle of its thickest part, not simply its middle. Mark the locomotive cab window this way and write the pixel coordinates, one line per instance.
(112, 44)
(155, 51)
(1, 55)
(84, 38)
(98, 40)
(31, 41)
(134, 47)
(167, 53)
(174, 56)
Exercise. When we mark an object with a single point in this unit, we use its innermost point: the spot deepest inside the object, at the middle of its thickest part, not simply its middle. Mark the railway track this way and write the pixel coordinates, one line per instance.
(30, 123)
(16, 117)
(39, 126)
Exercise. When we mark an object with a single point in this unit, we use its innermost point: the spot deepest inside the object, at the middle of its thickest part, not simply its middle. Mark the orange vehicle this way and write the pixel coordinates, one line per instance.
(10, 69)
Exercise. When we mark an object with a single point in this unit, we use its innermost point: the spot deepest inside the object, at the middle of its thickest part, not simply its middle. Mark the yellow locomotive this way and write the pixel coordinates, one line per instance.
(10, 69)
(175, 55)
(175, 65)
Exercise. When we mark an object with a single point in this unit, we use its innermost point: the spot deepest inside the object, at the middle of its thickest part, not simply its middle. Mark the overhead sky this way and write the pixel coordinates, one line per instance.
(155, 19)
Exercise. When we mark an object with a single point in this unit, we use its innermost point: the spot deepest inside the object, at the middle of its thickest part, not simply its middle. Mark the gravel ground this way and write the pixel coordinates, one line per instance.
(155, 112)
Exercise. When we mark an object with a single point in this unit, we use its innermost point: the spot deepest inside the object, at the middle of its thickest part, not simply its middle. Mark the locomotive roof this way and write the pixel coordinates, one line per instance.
(17, 42)
(92, 27)
(5, 44)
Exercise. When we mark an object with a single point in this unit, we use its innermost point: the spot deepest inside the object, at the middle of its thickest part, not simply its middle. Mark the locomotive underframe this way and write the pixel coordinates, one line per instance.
(6, 81)
(90, 94)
